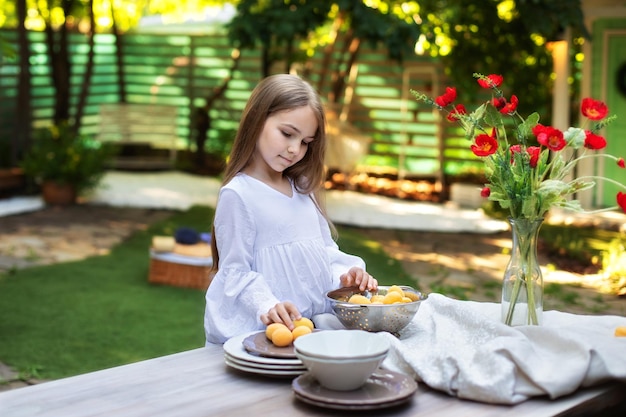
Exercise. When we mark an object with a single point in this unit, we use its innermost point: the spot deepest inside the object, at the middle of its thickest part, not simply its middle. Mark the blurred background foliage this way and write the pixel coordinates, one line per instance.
(508, 37)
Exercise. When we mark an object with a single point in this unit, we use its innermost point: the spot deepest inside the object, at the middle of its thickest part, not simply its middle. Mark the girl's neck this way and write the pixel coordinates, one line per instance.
(279, 182)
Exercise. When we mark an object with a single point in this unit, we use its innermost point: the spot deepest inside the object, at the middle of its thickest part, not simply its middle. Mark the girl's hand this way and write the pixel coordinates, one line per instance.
(358, 277)
(284, 312)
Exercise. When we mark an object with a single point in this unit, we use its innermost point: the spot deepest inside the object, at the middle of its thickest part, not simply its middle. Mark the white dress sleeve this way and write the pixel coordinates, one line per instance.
(238, 294)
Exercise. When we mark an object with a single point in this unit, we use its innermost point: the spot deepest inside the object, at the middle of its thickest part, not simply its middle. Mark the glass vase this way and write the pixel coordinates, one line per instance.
(522, 287)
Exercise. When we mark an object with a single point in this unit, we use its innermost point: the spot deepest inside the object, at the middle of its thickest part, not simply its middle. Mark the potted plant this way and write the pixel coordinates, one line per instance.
(65, 164)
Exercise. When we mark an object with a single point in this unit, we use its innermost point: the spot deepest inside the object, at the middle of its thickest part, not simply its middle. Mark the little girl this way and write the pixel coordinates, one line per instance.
(274, 257)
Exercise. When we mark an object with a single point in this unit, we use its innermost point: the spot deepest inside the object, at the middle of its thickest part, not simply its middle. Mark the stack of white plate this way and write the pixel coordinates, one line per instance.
(238, 357)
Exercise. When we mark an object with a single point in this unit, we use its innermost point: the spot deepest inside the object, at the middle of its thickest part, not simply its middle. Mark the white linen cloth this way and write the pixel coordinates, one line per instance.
(463, 349)
(272, 247)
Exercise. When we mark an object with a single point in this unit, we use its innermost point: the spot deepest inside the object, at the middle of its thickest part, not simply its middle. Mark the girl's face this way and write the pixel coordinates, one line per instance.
(284, 139)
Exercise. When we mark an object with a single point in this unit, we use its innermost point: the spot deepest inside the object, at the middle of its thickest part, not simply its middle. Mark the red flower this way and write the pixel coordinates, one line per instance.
(446, 98)
(493, 80)
(453, 116)
(485, 145)
(593, 109)
(549, 137)
(534, 152)
(621, 200)
(593, 141)
(498, 102)
(511, 106)
(485, 192)
(620, 163)
(515, 149)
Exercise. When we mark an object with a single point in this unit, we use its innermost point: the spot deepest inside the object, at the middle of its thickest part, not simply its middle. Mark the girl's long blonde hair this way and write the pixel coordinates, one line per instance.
(276, 93)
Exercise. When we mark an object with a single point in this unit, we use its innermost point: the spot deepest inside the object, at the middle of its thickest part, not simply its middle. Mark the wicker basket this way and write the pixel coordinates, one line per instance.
(179, 274)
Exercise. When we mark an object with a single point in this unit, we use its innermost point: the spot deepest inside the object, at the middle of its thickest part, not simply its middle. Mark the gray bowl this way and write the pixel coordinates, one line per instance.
(374, 317)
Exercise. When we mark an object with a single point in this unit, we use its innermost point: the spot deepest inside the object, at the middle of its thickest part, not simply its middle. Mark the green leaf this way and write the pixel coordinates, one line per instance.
(525, 129)
(493, 117)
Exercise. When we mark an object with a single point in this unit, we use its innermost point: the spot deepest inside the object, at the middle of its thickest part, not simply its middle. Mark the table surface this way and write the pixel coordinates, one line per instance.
(198, 383)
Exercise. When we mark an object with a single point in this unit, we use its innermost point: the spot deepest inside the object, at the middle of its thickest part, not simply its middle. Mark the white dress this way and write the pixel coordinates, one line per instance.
(272, 248)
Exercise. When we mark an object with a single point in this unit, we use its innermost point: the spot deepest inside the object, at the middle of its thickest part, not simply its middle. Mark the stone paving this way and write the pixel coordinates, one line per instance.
(55, 235)
(10, 379)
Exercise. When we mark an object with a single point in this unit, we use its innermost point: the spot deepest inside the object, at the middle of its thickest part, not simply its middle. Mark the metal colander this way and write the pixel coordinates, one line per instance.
(374, 317)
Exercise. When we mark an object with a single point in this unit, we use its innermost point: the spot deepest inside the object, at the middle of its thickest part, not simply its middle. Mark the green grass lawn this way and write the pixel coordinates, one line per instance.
(77, 317)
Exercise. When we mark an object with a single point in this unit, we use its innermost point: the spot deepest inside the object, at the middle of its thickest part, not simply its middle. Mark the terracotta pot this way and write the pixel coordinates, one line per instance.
(58, 194)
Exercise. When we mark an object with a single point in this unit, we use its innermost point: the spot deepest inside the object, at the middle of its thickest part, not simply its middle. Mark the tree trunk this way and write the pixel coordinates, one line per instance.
(288, 56)
(20, 140)
(201, 122)
(328, 52)
(84, 91)
(58, 56)
(350, 54)
(119, 56)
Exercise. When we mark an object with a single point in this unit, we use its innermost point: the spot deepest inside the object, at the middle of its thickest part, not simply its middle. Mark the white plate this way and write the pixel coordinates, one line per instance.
(264, 366)
(336, 406)
(267, 372)
(383, 388)
(234, 347)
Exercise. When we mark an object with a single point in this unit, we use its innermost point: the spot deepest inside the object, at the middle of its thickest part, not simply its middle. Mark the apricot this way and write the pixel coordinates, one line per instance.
(271, 328)
(300, 331)
(359, 299)
(392, 297)
(412, 296)
(377, 298)
(304, 321)
(282, 336)
(396, 288)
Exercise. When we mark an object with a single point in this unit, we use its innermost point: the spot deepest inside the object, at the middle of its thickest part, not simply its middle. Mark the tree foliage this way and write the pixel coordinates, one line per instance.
(487, 36)
(551, 17)
(287, 31)
(127, 12)
(503, 37)
(276, 26)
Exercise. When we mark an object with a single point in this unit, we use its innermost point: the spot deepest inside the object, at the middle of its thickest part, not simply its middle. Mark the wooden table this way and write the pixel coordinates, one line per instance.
(198, 383)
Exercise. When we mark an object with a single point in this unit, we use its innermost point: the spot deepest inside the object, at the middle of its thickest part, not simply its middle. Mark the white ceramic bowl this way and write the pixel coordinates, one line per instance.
(342, 344)
(343, 374)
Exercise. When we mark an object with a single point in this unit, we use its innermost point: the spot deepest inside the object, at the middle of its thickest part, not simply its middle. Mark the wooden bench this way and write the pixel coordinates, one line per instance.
(148, 126)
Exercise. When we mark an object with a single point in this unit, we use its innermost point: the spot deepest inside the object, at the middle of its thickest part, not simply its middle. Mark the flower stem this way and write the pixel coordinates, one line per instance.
(513, 302)
(523, 270)
(596, 177)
